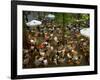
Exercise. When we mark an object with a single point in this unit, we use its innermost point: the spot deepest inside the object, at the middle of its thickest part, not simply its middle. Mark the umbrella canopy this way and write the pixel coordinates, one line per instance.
(85, 32)
(51, 16)
(33, 23)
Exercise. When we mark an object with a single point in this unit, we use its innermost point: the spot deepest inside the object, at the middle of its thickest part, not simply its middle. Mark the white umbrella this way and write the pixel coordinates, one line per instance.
(33, 23)
(51, 16)
(85, 32)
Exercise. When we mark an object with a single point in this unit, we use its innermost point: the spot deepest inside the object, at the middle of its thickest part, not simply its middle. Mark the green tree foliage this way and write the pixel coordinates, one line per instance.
(72, 18)
(80, 19)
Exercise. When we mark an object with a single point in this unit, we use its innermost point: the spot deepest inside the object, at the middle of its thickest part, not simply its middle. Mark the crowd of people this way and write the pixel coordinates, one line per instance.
(52, 45)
